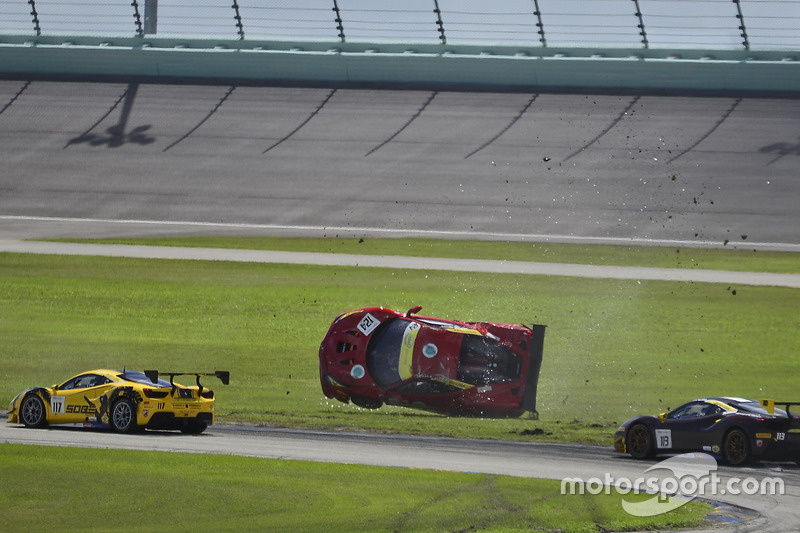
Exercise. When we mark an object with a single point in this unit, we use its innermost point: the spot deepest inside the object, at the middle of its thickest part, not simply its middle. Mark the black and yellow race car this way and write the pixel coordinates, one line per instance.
(124, 400)
(736, 430)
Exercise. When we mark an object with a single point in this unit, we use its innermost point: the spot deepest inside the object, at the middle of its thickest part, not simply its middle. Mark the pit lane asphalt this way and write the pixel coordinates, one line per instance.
(549, 461)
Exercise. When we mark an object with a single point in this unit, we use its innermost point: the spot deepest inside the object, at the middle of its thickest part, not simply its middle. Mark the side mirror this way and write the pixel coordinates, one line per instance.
(663, 417)
(414, 310)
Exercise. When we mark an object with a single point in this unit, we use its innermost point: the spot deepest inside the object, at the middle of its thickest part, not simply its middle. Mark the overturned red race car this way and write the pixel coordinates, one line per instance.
(374, 355)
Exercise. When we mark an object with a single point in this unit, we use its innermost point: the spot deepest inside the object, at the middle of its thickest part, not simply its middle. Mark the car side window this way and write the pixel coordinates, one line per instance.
(85, 381)
(99, 380)
(694, 410)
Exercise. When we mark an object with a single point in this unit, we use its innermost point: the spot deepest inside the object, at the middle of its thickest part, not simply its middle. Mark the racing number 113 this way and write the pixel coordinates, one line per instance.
(663, 438)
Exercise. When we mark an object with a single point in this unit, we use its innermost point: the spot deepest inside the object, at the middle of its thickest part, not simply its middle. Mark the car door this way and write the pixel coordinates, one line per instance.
(688, 424)
(80, 397)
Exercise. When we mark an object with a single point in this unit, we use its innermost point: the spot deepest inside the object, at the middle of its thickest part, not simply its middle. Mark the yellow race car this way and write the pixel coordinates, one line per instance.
(124, 400)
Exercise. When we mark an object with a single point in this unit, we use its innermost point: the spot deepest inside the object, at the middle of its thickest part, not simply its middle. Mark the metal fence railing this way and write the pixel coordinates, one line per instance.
(738, 24)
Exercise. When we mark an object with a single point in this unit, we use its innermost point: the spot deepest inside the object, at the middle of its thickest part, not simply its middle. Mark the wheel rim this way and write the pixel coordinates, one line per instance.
(32, 411)
(122, 415)
(735, 448)
(638, 441)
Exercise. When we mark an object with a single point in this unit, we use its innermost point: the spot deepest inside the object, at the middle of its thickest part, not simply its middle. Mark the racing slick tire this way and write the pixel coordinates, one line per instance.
(365, 402)
(640, 442)
(735, 447)
(123, 417)
(32, 412)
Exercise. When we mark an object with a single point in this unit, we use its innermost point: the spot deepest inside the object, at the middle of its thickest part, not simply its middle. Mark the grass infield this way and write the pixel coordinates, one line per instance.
(71, 489)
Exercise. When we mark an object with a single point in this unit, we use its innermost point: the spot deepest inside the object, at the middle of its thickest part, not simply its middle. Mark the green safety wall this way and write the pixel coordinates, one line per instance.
(400, 63)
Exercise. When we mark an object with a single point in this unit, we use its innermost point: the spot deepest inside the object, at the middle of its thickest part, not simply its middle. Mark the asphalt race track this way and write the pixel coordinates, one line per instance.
(778, 512)
(674, 170)
(121, 159)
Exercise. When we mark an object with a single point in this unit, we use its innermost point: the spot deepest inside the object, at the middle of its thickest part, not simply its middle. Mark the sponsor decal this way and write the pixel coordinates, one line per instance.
(81, 410)
(430, 350)
(407, 350)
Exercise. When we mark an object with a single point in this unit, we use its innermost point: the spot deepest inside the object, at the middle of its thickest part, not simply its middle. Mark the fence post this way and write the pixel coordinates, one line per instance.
(35, 16)
(338, 20)
(439, 22)
(137, 18)
(742, 29)
(238, 18)
(539, 24)
(642, 31)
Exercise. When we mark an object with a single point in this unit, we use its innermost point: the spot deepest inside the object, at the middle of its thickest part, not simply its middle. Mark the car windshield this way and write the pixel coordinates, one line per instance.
(383, 351)
(139, 377)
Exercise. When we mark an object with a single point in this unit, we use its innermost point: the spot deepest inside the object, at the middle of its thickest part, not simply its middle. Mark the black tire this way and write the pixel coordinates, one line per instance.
(194, 427)
(365, 402)
(640, 442)
(736, 447)
(123, 417)
(32, 412)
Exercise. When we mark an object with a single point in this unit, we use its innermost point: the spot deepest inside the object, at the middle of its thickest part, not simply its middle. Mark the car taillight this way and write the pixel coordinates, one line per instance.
(150, 393)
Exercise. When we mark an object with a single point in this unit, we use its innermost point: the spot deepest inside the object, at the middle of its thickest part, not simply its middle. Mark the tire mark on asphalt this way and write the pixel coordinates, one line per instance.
(508, 127)
(708, 134)
(404, 126)
(205, 119)
(306, 121)
(608, 128)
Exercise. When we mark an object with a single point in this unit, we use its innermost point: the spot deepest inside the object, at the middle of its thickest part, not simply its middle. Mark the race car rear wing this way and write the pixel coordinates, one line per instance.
(223, 375)
(769, 405)
(535, 365)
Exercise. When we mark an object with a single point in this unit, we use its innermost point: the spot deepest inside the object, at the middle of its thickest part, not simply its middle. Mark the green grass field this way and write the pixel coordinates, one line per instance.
(70, 489)
(613, 349)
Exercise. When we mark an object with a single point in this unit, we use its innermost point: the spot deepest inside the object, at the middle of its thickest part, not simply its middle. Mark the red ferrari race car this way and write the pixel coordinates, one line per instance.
(375, 355)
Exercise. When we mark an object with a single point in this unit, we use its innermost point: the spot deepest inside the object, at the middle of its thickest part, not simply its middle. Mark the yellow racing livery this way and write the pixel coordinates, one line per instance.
(125, 400)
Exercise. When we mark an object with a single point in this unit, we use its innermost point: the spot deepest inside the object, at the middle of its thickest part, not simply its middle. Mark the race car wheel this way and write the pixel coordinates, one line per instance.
(32, 412)
(640, 443)
(735, 448)
(123, 417)
(365, 402)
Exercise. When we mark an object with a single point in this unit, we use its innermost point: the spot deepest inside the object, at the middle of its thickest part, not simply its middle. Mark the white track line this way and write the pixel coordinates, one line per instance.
(478, 235)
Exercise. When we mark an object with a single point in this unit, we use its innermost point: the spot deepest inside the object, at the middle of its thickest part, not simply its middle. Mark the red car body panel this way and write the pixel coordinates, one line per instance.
(375, 355)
